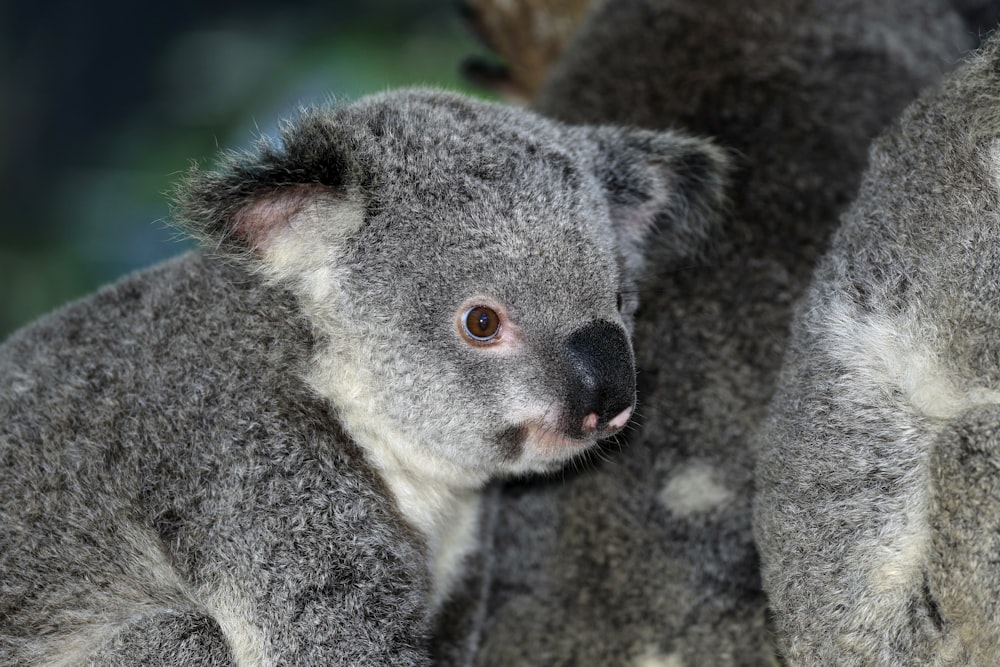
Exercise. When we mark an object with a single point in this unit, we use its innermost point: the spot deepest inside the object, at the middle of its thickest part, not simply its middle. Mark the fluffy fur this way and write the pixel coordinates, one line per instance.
(272, 453)
(647, 557)
(879, 487)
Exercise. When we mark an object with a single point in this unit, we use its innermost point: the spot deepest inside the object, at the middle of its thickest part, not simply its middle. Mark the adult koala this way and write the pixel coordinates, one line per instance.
(647, 558)
(878, 513)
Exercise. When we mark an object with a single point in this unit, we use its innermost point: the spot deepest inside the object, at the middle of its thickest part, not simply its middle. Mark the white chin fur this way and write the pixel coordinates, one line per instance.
(547, 451)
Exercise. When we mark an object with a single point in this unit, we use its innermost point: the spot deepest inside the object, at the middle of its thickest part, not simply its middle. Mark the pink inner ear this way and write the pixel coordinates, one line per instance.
(261, 221)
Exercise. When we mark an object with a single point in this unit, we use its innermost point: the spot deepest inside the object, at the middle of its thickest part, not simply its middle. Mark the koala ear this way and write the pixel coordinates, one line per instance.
(661, 183)
(256, 197)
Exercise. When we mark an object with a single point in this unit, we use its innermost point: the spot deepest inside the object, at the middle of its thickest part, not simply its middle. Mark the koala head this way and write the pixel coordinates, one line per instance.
(469, 268)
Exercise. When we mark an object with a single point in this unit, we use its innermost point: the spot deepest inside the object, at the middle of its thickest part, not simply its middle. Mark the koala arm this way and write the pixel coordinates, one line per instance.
(167, 638)
(310, 604)
(300, 572)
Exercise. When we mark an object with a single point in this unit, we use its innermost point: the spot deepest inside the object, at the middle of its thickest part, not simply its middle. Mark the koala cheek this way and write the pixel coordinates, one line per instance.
(511, 442)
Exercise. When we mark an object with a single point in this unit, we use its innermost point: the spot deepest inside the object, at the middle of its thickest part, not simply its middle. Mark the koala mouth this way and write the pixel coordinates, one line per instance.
(547, 441)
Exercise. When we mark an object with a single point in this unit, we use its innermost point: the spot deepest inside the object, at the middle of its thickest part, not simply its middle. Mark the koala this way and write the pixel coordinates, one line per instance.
(878, 509)
(271, 451)
(646, 556)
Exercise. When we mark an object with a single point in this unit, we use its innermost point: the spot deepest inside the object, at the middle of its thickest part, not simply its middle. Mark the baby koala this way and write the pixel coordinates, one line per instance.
(271, 451)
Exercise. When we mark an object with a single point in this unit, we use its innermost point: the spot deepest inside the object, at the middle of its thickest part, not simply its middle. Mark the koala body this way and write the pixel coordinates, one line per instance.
(879, 503)
(647, 558)
(271, 452)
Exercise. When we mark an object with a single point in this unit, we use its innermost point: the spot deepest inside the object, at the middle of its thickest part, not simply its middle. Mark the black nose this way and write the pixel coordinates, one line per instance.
(601, 378)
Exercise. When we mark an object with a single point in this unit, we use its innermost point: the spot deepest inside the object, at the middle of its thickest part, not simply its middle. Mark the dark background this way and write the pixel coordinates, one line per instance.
(102, 104)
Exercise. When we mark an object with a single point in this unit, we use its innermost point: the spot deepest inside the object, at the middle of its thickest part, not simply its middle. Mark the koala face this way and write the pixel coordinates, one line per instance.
(498, 358)
(506, 332)
(469, 268)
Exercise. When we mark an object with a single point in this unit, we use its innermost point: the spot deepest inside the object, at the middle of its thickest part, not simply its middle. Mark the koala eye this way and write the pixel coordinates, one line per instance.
(481, 323)
(619, 302)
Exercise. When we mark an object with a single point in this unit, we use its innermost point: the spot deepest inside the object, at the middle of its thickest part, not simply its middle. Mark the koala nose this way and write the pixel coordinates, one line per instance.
(601, 386)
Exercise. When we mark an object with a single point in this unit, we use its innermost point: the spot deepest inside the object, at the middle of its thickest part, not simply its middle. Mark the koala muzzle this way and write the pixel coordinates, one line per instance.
(601, 380)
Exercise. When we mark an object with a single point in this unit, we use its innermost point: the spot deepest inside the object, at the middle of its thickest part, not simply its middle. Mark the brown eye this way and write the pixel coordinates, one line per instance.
(481, 323)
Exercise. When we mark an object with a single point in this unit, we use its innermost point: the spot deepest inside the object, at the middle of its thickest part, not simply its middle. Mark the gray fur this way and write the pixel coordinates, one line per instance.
(879, 488)
(197, 464)
(647, 558)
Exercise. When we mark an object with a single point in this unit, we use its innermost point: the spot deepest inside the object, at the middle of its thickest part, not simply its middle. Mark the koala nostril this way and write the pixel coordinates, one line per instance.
(619, 420)
(601, 378)
(593, 423)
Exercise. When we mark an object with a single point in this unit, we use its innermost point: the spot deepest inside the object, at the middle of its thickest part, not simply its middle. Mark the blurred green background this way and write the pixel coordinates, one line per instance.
(104, 103)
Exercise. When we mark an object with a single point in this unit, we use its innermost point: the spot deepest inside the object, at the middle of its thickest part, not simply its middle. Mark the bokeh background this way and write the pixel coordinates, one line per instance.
(103, 104)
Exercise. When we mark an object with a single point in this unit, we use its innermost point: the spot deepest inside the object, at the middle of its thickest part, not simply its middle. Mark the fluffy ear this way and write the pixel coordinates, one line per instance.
(254, 198)
(660, 182)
